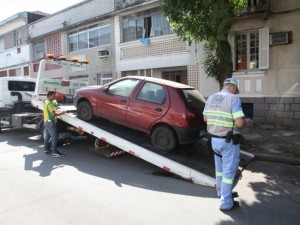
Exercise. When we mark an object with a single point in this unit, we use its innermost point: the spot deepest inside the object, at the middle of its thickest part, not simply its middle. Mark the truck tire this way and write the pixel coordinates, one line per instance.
(85, 111)
(164, 138)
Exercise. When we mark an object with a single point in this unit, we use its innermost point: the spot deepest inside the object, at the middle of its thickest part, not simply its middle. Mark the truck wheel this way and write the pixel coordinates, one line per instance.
(85, 111)
(42, 132)
(164, 138)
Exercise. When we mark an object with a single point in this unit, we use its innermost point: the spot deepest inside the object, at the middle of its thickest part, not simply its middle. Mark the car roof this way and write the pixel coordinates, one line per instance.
(160, 81)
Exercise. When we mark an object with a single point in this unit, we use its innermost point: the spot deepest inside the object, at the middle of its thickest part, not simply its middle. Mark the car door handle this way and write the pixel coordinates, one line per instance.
(158, 110)
(123, 101)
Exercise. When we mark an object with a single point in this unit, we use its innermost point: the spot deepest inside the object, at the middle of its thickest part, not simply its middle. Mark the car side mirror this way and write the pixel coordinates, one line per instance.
(105, 90)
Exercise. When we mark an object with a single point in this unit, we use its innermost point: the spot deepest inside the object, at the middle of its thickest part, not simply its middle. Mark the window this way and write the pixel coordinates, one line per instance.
(104, 78)
(39, 51)
(252, 50)
(1, 44)
(151, 92)
(21, 86)
(150, 23)
(123, 88)
(17, 38)
(89, 37)
(193, 99)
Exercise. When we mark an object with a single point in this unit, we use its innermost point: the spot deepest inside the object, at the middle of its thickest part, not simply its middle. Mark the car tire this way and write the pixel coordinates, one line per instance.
(42, 132)
(85, 111)
(164, 138)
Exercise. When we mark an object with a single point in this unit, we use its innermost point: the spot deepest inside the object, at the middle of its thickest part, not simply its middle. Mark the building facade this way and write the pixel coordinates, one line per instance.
(266, 56)
(83, 31)
(14, 45)
(133, 37)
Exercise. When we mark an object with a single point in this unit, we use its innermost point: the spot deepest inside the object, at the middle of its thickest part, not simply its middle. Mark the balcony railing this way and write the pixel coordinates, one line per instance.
(122, 4)
(255, 7)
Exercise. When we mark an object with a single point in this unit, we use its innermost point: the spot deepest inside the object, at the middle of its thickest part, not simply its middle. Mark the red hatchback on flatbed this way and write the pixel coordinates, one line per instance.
(169, 112)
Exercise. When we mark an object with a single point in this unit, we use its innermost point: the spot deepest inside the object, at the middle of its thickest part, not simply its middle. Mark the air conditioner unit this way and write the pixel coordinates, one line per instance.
(103, 53)
(282, 38)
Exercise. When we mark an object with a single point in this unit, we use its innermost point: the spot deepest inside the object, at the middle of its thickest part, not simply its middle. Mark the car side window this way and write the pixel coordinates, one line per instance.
(152, 92)
(123, 88)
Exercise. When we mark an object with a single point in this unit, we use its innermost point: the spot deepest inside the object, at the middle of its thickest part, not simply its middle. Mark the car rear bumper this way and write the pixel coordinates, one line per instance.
(188, 135)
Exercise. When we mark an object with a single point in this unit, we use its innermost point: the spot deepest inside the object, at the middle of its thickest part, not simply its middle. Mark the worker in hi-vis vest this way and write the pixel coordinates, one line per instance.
(50, 121)
(224, 116)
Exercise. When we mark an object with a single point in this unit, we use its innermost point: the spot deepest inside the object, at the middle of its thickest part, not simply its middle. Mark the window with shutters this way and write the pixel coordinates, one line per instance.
(251, 50)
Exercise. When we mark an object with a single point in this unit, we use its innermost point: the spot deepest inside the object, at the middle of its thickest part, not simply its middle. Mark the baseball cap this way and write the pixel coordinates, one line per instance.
(232, 81)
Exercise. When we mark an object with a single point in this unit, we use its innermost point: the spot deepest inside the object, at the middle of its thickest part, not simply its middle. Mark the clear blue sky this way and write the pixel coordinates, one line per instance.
(11, 7)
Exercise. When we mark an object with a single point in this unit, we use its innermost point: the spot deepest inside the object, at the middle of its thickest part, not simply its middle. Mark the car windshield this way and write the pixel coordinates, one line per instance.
(193, 99)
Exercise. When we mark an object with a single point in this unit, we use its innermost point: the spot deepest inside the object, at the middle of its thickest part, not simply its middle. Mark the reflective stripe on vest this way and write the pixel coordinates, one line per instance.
(220, 118)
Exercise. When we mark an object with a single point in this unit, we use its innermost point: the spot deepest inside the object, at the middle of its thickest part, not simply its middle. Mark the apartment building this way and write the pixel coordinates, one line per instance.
(146, 46)
(84, 31)
(266, 57)
(14, 46)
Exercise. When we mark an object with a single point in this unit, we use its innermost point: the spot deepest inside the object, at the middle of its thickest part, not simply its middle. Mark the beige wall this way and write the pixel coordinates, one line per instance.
(283, 75)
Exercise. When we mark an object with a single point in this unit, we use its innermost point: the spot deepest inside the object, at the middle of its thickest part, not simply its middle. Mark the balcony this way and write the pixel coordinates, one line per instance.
(122, 4)
(255, 7)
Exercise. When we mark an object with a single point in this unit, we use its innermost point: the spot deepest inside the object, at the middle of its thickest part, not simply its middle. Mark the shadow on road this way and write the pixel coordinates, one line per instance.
(124, 170)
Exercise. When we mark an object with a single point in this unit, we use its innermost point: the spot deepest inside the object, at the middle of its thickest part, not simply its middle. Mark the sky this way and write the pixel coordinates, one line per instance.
(9, 8)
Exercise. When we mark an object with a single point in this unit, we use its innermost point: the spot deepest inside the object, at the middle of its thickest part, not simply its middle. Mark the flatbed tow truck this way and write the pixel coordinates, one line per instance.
(122, 138)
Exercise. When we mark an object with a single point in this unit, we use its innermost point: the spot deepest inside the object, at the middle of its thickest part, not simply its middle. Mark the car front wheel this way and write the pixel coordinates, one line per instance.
(164, 138)
(85, 111)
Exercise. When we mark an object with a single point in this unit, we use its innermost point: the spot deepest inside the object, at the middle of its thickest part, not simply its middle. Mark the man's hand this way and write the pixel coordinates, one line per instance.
(248, 121)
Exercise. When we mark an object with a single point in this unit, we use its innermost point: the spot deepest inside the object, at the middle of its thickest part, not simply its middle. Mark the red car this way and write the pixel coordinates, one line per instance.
(170, 112)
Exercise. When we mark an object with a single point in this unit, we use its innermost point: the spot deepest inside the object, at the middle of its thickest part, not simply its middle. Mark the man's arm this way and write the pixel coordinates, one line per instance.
(205, 118)
(54, 113)
(240, 122)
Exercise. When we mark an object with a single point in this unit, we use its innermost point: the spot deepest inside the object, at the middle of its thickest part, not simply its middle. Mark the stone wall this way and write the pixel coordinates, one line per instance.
(275, 111)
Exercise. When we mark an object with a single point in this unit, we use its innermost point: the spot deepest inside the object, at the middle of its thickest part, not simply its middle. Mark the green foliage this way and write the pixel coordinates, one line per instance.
(210, 21)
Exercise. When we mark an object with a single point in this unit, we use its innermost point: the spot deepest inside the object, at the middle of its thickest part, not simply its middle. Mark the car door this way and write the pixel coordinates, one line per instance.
(113, 101)
(149, 104)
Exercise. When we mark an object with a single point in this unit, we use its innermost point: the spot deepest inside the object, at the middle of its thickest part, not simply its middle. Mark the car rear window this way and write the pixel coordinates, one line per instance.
(193, 99)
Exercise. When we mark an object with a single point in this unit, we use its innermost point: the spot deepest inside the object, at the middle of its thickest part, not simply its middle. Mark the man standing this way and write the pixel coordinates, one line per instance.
(50, 121)
(224, 116)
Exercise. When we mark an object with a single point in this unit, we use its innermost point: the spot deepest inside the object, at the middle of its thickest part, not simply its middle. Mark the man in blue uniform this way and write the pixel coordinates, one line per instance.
(224, 116)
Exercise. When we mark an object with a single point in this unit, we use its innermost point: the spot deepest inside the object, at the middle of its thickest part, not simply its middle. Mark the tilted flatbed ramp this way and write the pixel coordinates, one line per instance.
(161, 161)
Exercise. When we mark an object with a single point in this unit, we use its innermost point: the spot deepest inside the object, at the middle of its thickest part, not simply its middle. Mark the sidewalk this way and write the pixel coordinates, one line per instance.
(272, 144)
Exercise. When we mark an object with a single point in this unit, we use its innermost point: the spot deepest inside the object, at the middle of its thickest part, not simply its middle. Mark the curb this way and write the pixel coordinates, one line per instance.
(276, 158)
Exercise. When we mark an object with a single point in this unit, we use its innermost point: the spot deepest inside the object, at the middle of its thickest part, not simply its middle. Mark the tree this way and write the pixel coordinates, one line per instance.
(209, 21)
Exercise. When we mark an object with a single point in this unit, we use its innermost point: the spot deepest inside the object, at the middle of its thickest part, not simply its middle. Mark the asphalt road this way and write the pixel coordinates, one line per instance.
(87, 188)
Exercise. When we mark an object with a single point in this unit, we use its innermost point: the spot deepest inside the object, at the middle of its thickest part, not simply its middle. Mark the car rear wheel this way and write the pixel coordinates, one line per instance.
(164, 138)
(85, 111)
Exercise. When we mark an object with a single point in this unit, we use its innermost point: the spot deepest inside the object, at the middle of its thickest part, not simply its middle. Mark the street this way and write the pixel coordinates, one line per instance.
(86, 188)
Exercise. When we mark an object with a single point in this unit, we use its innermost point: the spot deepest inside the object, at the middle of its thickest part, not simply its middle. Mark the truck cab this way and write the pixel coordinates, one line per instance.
(14, 91)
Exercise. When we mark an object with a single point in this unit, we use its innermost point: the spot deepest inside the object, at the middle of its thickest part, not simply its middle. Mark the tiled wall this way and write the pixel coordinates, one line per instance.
(275, 111)
(155, 48)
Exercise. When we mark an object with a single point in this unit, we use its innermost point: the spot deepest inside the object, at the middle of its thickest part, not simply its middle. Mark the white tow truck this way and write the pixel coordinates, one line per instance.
(104, 133)
(15, 103)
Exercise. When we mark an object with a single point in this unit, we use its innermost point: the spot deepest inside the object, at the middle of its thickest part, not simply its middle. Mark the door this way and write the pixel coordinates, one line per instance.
(113, 101)
(149, 104)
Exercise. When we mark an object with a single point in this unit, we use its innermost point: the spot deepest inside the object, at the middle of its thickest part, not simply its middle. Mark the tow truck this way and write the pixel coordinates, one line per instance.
(105, 135)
